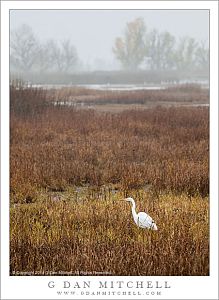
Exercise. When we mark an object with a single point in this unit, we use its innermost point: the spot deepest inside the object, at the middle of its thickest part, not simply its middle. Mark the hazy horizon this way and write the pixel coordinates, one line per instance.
(93, 32)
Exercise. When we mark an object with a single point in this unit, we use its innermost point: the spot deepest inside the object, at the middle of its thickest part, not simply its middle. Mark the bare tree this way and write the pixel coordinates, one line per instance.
(69, 55)
(28, 54)
(202, 56)
(160, 50)
(44, 59)
(24, 48)
(185, 54)
(64, 56)
(154, 50)
(167, 42)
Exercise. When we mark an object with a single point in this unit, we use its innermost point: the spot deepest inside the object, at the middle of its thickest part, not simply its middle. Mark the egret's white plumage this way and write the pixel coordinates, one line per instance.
(141, 219)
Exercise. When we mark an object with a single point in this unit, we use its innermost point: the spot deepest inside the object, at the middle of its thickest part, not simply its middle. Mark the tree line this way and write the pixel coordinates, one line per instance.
(159, 50)
(27, 53)
(138, 48)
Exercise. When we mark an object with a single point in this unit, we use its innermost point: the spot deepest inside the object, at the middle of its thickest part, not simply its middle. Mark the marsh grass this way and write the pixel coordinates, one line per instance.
(99, 236)
(163, 147)
(180, 94)
(69, 169)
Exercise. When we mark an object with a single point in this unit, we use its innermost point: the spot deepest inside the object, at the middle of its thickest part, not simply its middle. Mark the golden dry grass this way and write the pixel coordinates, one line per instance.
(99, 236)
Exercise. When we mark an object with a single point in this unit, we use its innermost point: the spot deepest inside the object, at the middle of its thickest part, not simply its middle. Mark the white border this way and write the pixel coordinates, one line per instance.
(33, 287)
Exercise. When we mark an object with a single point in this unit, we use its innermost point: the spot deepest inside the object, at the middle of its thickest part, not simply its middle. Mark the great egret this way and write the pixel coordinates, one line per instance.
(142, 219)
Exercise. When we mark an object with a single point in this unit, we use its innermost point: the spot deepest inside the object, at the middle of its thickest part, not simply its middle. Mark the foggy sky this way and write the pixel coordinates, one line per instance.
(93, 32)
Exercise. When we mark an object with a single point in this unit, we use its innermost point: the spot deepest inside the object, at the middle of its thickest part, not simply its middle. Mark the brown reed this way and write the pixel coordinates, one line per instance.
(69, 168)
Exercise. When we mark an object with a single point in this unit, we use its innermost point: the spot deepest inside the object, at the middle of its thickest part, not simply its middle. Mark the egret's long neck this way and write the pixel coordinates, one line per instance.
(134, 211)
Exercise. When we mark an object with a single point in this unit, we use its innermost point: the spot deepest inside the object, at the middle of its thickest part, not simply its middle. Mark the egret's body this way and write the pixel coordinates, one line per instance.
(142, 219)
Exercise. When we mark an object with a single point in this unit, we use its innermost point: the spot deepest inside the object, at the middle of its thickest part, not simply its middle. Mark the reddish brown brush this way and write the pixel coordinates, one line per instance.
(185, 93)
(164, 147)
(68, 169)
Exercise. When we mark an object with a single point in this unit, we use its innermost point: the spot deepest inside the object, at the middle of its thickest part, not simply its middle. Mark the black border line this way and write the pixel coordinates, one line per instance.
(112, 10)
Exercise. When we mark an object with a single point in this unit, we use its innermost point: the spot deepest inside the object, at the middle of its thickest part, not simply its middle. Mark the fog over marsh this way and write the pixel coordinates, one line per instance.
(93, 32)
